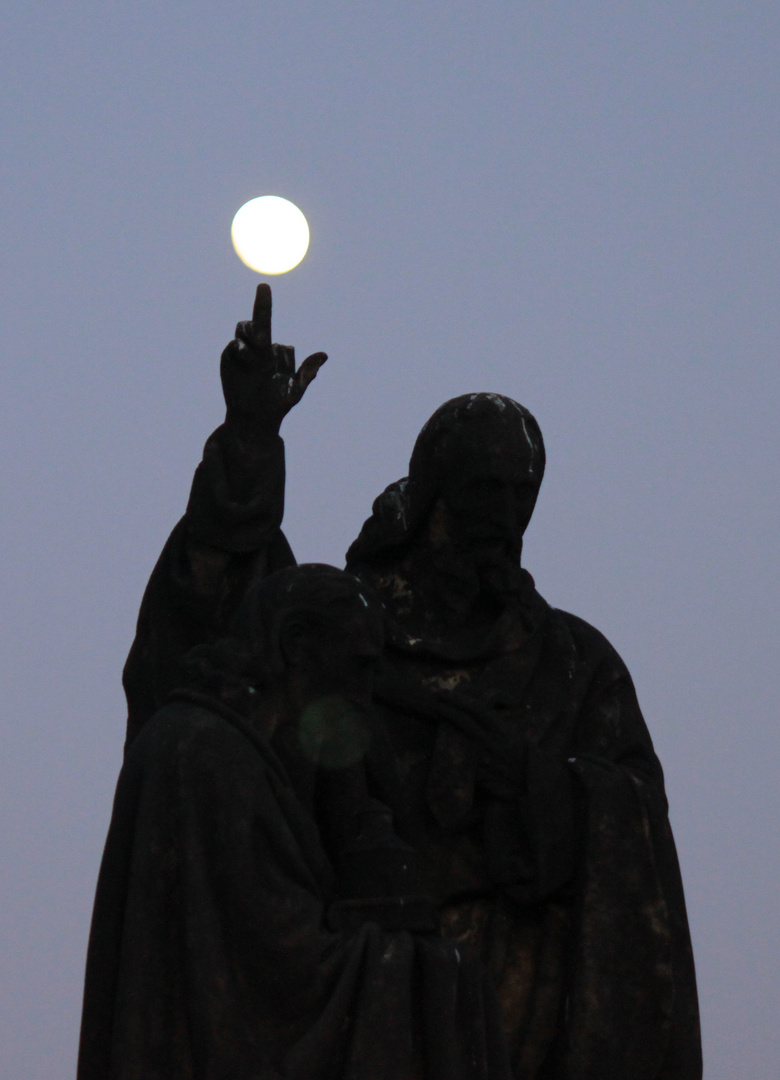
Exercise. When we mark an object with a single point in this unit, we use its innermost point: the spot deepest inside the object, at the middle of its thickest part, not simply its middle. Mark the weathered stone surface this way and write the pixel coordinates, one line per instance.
(469, 872)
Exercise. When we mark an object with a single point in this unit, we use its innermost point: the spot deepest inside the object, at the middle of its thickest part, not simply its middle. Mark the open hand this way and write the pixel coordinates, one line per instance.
(259, 379)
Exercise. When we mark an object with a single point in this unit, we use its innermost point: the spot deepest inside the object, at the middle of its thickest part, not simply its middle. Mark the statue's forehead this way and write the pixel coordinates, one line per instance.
(508, 435)
(512, 460)
(478, 434)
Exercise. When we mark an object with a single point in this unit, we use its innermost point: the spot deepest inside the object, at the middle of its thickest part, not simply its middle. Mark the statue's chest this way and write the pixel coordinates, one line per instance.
(535, 692)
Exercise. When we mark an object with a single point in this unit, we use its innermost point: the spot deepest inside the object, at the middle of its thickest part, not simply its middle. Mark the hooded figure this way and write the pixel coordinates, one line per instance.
(517, 763)
(223, 944)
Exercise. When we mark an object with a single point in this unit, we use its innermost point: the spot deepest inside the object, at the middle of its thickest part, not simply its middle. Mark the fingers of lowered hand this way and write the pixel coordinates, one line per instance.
(486, 719)
(461, 720)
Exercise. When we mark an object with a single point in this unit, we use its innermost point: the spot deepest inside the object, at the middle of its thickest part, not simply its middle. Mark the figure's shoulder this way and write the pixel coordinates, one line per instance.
(200, 738)
(188, 734)
(177, 719)
(591, 645)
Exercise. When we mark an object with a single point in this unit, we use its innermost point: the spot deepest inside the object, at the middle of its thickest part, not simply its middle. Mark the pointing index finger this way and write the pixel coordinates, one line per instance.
(261, 315)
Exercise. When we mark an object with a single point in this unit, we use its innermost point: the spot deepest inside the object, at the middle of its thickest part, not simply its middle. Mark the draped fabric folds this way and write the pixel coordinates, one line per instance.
(210, 956)
(563, 950)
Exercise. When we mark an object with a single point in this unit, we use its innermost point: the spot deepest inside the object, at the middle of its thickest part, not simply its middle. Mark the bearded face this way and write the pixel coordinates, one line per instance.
(449, 536)
(483, 457)
(486, 497)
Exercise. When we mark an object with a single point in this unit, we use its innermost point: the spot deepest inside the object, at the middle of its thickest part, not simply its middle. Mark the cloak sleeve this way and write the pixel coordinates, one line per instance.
(632, 999)
(209, 955)
(229, 535)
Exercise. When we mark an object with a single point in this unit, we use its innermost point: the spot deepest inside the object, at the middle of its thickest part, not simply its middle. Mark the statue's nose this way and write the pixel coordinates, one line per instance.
(501, 513)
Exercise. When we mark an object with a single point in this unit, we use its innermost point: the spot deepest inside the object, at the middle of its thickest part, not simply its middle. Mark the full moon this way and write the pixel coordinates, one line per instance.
(270, 234)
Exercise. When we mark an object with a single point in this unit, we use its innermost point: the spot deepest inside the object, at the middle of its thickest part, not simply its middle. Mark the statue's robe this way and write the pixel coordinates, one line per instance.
(568, 891)
(210, 954)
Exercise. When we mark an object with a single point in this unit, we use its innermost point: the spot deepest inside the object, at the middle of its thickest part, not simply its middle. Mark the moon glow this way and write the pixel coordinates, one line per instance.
(270, 234)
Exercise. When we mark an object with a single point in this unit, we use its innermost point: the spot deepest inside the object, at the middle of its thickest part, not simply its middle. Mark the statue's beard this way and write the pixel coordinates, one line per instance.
(497, 568)
(480, 577)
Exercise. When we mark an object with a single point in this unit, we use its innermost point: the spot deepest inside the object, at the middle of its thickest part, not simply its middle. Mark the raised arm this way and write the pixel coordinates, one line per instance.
(231, 532)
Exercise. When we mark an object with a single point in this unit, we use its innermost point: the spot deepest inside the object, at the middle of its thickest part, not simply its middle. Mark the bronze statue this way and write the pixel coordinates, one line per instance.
(503, 805)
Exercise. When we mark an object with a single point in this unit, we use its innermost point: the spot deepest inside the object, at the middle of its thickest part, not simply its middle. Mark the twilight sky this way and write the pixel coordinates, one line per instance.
(573, 203)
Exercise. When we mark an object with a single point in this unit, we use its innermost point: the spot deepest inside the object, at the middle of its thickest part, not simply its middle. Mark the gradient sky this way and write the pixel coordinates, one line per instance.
(572, 203)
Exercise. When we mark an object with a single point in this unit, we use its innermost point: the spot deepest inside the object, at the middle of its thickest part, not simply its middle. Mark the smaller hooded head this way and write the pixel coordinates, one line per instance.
(479, 461)
(319, 636)
(304, 648)
(317, 630)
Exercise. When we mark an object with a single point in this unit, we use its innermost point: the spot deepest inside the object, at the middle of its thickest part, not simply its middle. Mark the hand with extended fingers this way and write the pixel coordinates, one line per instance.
(259, 379)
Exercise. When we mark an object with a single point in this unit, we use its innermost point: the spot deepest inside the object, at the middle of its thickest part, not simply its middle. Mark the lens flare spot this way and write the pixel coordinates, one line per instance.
(333, 733)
